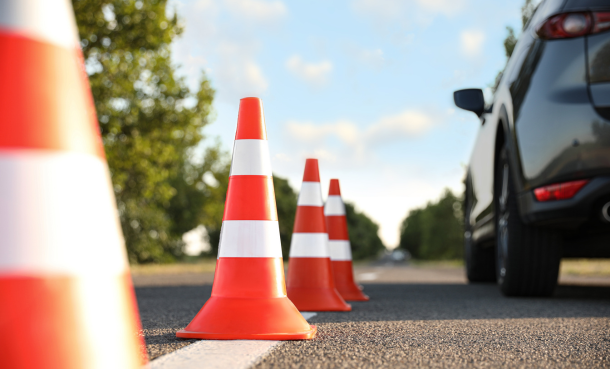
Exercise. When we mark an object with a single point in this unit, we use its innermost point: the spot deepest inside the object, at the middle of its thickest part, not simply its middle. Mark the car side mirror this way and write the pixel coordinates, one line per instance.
(470, 99)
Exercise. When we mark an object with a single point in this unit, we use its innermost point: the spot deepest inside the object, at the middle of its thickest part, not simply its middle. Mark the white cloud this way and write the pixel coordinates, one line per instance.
(315, 74)
(410, 123)
(388, 10)
(218, 38)
(257, 10)
(471, 42)
(357, 154)
(447, 7)
(282, 157)
(346, 131)
(237, 74)
(384, 9)
(206, 6)
(325, 155)
(405, 125)
(373, 58)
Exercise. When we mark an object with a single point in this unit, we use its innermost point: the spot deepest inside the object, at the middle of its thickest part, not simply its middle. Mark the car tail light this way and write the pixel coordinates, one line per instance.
(569, 25)
(559, 191)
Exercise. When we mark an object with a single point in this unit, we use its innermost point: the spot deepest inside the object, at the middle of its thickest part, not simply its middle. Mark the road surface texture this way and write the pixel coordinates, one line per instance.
(417, 317)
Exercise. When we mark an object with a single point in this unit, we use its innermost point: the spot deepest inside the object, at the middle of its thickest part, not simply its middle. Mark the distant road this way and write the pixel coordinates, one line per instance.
(425, 316)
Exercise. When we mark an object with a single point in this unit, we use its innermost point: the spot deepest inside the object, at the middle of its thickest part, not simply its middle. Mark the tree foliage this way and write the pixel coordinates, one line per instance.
(201, 195)
(510, 41)
(434, 231)
(150, 124)
(363, 234)
(286, 201)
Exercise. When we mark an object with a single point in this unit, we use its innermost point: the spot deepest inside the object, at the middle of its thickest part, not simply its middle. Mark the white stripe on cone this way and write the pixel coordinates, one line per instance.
(250, 239)
(46, 20)
(340, 250)
(251, 157)
(310, 195)
(334, 206)
(57, 215)
(309, 245)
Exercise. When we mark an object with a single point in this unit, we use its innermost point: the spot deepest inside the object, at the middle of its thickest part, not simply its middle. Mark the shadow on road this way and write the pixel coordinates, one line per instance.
(582, 292)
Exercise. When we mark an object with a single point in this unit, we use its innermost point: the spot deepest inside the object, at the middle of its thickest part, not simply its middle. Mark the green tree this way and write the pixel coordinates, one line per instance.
(510, 41)
(286, 201)
(411, 233)
(149, 120)
(363, 234)
(201, 191)
(435, 231)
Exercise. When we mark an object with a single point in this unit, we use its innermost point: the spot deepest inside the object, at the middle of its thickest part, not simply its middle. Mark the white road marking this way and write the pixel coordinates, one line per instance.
(213, 354)
(367, 276)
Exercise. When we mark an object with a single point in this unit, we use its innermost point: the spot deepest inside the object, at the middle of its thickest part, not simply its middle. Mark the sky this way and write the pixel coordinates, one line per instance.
(365, 86)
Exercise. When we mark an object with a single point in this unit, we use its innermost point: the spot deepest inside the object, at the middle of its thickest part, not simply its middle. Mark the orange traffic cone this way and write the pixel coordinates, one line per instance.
(310, 279)
(66, 298)
(340, 248)
(249, 296)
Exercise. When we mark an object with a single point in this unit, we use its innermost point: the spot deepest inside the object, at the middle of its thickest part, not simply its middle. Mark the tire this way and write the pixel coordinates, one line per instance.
(527, 257)
(480, 262)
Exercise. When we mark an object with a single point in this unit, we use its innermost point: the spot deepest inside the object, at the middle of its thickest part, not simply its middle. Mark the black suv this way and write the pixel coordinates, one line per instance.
(538, 180)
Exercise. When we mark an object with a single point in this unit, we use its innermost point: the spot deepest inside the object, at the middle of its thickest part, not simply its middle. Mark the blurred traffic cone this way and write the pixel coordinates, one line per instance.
(340, 248)
(249, 295)
(66, 298)
(310, 279)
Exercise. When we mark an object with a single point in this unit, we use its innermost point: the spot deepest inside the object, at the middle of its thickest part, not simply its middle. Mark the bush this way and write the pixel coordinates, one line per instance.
(434, 232)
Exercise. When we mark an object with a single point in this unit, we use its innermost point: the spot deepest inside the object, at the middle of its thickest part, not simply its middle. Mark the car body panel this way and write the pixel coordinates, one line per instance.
(598, 52)
(576, 5)
(545, 81)
(557, 91)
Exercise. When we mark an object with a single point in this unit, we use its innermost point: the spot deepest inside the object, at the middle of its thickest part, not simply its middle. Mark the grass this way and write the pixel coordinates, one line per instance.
(586, 267)
(577, 267)
(456, 263)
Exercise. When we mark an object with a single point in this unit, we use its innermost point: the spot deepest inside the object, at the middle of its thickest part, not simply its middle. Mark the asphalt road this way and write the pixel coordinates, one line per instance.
(417, 317)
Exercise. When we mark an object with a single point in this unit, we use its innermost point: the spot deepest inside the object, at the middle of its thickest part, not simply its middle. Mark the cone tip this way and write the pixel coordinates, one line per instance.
(334, 188)
(312, 173)
(256, 99)
(251, 120)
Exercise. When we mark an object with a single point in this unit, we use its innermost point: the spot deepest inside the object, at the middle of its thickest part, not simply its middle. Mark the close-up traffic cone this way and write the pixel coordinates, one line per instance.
(310, 278)
(340, 248)
(66, 296)
(249, 295)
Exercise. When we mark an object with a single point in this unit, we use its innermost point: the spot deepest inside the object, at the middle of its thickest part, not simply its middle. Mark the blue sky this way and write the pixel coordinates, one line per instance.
(365, 86)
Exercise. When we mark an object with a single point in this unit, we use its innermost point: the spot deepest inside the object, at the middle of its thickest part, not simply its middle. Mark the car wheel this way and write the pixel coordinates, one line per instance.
(480, 262)
(527, 257)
